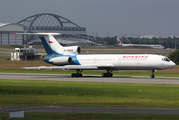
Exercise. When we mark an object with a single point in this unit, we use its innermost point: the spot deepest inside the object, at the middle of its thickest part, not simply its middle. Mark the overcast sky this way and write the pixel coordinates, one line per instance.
(104, 17)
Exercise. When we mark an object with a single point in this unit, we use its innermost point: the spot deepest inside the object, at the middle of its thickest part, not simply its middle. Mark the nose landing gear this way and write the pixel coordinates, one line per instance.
(152, 76)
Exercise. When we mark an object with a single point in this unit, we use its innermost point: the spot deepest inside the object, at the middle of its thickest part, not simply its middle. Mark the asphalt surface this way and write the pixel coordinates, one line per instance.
(117, 79)
(89, 110)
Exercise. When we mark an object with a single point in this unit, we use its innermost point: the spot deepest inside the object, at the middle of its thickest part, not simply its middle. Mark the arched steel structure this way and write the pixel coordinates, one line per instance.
(48, 21)
(71, 33)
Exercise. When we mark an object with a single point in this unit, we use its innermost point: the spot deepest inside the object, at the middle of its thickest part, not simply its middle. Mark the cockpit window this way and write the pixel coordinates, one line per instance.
(166, 59)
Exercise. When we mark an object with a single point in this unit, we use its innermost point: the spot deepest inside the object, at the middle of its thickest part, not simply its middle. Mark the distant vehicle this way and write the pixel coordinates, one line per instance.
(67, 58)
(144, 45)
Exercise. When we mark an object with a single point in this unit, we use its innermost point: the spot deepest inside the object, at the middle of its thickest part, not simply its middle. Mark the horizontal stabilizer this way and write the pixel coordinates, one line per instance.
(39, 34)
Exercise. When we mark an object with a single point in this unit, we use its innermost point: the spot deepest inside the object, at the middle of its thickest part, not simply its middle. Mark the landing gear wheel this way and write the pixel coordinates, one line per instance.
(104, 75)
(107, 75)
(152, 76)
(78, 74)
(73, 75)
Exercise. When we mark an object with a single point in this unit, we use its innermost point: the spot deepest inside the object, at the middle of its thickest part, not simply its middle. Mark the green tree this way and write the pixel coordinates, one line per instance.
(174, 56)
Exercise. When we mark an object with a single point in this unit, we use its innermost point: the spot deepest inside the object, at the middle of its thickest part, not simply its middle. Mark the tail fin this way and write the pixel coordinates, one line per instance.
(119, 42)
(49, 42)
(128, 42)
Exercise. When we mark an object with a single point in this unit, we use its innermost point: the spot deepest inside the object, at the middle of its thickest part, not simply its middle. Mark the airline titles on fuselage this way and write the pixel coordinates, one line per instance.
(134, 57)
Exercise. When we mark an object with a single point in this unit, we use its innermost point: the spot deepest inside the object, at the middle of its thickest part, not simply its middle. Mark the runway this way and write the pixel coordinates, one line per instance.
(90, 110)
(116, 79)
(92, 78)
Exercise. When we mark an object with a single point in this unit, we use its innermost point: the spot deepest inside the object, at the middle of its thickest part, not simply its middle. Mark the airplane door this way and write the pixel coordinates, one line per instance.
(138, 61)
(95, 60)
(119, 61)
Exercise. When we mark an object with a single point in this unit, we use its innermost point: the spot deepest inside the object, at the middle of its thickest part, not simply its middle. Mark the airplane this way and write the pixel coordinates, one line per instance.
(68, 58)
(144, 45)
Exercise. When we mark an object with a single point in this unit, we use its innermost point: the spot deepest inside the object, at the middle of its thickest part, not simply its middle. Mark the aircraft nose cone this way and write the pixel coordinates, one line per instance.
(172, 64)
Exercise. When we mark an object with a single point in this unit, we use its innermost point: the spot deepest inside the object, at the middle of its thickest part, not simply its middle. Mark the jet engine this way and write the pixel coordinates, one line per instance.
(61, 60)
(71, 50)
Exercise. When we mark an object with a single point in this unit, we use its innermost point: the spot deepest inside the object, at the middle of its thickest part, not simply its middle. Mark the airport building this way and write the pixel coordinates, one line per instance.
(6, 36)
(71, 33)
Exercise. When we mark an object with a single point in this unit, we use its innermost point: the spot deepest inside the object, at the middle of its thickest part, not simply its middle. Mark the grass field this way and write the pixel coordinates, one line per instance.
(84, 94)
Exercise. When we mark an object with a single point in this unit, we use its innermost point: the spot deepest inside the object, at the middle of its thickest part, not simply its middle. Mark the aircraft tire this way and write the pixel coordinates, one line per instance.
(103, 75)
(152, 76)
(72, 75)
(107, 75)
(76, 75)
(79, 75)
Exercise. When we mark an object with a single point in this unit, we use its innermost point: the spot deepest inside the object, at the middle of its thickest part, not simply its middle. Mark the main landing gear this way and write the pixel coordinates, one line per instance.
(152, 76)
(108, 74)
(78, 74)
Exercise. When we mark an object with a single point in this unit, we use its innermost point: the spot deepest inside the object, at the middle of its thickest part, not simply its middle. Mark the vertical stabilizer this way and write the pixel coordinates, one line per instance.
(128, 42)
(50, 44)
(119, 42)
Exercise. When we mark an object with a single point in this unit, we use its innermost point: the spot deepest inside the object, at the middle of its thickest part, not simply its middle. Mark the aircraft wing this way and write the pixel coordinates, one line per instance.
(71, 67)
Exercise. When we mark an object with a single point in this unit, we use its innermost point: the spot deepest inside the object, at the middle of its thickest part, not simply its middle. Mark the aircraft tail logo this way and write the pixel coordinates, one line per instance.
(128, 42)
(119, 42)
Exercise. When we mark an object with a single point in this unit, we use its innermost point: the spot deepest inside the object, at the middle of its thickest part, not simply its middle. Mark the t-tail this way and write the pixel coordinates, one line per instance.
(119, 42)
(52, 46)
(57, 54)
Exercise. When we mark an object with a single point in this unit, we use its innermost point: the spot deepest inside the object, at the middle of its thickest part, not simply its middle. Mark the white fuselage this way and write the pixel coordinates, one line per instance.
(144, 45)
(126, 61)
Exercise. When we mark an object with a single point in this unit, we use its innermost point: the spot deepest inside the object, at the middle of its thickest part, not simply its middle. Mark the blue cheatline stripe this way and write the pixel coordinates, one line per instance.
(74, 58)
(76, 62)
